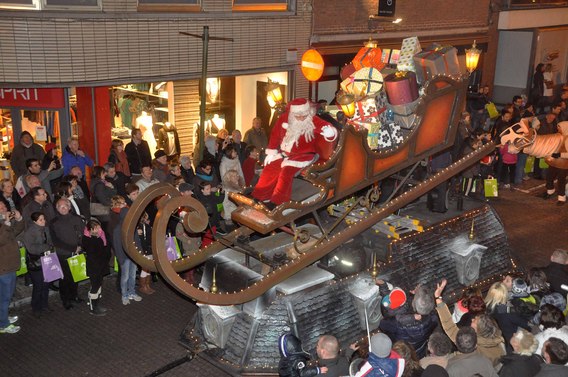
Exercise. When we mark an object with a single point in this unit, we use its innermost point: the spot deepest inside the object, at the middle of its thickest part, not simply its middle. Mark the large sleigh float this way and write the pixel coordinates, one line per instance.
(351, 167)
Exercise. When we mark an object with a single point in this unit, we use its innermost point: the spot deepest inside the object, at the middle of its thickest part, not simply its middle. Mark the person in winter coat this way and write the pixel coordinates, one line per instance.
(230, 161)
(555, 355)
(73, 156)
(37, 240)
(118, 157)
(490, 343)
(102, 191)
(23, 151)
(553, 325)
(66, 232)
(293, 359)
(186, 169)
(97, 248)
(10, 227)
(523, 362)
(206, 173)
(382, 360)
(416, 326)
(127, 266)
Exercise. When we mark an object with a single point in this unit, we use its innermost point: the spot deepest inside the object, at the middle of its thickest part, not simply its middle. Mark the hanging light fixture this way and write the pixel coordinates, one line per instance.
(213, 88)
(347, 103)
(472, 57)
(273, 93)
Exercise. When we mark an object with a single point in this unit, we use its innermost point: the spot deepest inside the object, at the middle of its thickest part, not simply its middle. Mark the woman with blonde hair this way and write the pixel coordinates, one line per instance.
(523, 362)
(498, 307)
(497, 299)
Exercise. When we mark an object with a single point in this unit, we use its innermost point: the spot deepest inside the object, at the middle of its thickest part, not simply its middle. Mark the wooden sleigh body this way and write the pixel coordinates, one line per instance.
(353, 166)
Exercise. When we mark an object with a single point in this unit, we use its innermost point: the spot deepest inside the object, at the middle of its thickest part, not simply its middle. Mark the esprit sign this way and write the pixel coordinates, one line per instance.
(387, 8)
(32, 98)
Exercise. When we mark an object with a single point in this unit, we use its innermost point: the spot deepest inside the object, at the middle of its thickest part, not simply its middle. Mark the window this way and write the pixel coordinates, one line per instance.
(72, 4)
(169, 5)
(19, 4)
(260, 5)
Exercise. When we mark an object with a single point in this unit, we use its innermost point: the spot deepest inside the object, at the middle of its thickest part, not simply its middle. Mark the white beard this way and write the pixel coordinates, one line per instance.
(296, 129)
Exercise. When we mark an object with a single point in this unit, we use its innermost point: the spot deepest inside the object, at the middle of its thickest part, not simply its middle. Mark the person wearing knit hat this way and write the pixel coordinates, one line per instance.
(382, 362)
(292, 147)
(160, 165)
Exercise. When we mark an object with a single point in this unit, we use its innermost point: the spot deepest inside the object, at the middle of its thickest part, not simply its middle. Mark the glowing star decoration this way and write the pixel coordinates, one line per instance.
(312, 65)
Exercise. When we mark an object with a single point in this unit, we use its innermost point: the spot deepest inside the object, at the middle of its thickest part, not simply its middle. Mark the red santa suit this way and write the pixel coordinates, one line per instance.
(291, 149)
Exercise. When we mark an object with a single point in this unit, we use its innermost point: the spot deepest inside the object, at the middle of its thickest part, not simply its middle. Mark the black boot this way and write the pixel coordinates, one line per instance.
(96, 308)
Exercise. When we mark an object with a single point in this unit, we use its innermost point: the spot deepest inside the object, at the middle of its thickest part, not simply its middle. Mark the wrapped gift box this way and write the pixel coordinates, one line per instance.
(406, 109)
(347, 85)
(382, 102)
(347, 71)
(435, 61)
(401, 88)
(367, 81)
(366, 112)
(410, 47)
(373, 135)
(405, 121)
(390, 135)
(369, 57)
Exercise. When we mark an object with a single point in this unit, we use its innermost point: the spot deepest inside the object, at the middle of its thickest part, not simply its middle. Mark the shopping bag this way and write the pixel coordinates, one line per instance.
(542, 164)
(115, 264)
(172, 248)
(78, 267)
(492, 110)
(491, 188)
(23, 265)
(529, 165)
(51, 268)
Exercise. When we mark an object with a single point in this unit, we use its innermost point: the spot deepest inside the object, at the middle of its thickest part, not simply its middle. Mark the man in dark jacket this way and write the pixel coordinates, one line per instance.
(11, 225)
(293, 359)
(66, 232)
(328, 354)
(137, 153)
(557, 271)
(555, 354)
(24, 150)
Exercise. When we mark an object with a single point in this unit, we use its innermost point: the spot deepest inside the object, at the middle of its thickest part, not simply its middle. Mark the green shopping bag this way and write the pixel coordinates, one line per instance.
(115, 264)
(529, 166)
(78, 267)
(23, 266)
(542, 164)
(491, 188)
(492, 110)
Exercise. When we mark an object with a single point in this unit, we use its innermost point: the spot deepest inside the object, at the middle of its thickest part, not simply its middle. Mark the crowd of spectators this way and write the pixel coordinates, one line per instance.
(517, 329)
(543, 114)
(69, 206)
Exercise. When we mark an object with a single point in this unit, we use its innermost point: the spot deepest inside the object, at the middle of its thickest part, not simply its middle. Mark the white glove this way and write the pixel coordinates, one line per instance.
(329, 133)
(271, 157)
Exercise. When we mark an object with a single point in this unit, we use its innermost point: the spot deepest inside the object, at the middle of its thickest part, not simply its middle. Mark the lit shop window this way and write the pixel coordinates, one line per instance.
(72, 4)
(19, 4)
(261, 5)
(169, 5)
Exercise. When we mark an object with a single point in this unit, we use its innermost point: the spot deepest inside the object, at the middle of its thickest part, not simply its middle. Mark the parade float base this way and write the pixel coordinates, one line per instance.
(331, 296)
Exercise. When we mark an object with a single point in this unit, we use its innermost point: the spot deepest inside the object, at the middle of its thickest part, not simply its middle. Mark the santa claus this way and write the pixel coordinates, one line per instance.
(292, 147)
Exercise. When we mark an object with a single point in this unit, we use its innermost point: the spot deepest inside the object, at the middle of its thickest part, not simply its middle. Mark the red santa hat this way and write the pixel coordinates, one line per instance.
(299, 106)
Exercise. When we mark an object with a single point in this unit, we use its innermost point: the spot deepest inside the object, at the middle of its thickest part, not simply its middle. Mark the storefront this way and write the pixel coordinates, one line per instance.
(232, 103)
(42, 112)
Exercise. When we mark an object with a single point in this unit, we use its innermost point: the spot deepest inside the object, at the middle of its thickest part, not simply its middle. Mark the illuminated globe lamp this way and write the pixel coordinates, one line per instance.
(273, 93)
(312, 65)
(347, 103)
(472, 57)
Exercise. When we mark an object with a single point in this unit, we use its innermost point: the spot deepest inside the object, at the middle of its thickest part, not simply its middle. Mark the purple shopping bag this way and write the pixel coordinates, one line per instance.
(51, 267)
(172, 250)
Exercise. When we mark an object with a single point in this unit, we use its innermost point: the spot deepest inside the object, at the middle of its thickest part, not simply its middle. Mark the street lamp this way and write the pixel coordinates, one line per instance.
(347, 103)
(472, 57)
(273, 93)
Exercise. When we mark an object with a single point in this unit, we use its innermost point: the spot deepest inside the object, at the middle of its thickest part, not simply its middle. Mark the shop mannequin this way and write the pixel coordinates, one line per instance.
(215, 124)
(168, 140)
(144, 123)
